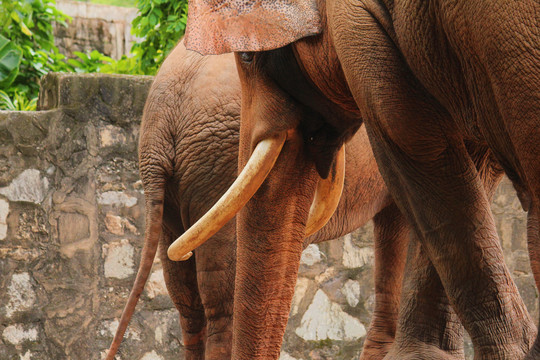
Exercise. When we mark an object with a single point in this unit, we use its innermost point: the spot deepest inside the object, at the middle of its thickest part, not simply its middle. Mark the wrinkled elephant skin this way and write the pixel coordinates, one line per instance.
(188, 157)
(433, 82)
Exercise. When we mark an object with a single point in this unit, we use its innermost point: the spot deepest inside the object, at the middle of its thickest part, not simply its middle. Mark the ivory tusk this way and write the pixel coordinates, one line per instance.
(244, 187)
(327, 195)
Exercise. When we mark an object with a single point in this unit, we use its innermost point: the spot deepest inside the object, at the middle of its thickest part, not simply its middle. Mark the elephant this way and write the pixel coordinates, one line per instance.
(188, 155)
(429, 81)
(192, 98)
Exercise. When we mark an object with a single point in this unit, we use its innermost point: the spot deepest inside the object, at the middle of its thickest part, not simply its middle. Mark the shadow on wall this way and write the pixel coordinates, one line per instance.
(71, 223)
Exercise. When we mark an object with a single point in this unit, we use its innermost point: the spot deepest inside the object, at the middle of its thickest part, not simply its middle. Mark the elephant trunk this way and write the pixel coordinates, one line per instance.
(270, 231)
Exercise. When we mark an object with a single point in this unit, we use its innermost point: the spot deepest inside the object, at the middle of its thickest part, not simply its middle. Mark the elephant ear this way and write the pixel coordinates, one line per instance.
(220, 26)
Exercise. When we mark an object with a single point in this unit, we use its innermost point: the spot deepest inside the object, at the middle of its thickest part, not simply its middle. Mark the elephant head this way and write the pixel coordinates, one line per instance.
(297, 113)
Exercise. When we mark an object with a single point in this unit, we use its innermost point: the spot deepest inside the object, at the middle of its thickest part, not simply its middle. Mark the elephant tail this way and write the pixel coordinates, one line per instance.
(154, 218)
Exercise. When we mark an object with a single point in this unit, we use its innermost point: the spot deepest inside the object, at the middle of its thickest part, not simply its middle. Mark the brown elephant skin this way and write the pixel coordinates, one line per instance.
(186, 168)
(431, 81)
(188, 153)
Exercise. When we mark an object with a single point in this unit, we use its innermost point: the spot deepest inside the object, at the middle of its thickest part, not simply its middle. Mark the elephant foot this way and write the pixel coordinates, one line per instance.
(218, 346)
(505, 354)
(421, 351)
(516, 346)
(376, 347)
(194, 345)
(194, 354)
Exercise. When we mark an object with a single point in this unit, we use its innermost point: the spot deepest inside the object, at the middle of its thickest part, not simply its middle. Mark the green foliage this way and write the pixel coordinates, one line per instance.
(27, 49)
(97, 62)
(125, 65)
(89, 63)
(19, 102)
(28, 25)
(10, 59)
(160, 23)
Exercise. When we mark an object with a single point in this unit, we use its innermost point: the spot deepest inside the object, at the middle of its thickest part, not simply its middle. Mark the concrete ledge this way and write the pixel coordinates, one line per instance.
(68, 90)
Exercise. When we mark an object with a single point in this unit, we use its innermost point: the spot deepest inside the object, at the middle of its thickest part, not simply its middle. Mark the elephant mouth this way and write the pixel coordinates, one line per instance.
(249, 180)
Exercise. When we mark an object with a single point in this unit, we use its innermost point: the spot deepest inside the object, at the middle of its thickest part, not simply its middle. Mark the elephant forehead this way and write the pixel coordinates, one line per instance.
(220, 26)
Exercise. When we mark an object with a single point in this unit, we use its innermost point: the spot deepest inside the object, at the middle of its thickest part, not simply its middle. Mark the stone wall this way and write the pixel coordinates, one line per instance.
(95, 27)
(71, 224)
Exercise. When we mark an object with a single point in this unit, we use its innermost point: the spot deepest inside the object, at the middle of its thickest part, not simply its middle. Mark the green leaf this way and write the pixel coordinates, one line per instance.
(32, 105)
(5, 102)
(81, 55)
(158, 13)
(95, 55)
(153, 19)
(21, 88)
(25, 29)
(144, 22)
(15, 16)
(75, 63)
(10, 60)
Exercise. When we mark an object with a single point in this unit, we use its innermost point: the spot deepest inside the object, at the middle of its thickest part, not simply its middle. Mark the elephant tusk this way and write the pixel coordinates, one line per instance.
(327, 195)
(244, 187)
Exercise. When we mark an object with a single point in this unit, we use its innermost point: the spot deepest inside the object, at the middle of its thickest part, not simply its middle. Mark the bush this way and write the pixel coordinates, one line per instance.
(28, 25)
(160, 23)
(17, 102)
(27, 49)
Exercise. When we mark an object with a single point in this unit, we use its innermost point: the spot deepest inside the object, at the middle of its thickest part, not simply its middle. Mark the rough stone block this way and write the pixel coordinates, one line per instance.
(4, 211)
(118, 259)
(29, 186)
(21, 294)
(326, 320)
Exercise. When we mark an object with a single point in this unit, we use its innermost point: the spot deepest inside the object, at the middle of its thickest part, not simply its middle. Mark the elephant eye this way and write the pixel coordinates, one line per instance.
(246, 57)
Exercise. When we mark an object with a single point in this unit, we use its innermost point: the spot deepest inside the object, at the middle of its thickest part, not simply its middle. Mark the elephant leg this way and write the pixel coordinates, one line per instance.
(525, 174)
(216, 267)
(422, 280)
(427, 323)
(445, 202)
(423, 292)
(390, 242)
(181, 281)
(450, 214)
(433, 180)
(529, 157)
(527, 146)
